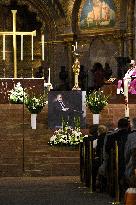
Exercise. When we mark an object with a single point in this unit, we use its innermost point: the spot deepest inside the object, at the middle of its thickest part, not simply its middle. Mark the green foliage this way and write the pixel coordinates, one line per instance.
(96, 101)
(17, 95)
(35, 104)
(67, 136)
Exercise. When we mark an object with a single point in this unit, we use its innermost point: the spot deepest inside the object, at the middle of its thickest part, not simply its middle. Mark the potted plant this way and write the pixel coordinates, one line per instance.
(96, 101)
(35, 105)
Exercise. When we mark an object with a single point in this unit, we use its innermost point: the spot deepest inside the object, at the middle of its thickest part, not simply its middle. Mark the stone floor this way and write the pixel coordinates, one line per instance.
(48, 191)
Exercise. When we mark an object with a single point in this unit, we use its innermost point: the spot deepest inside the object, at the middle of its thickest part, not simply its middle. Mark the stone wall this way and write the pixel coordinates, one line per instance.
(25, 152)
(112, 113)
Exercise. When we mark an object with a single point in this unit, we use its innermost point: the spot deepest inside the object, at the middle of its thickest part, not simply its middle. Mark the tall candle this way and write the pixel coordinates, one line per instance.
(42, 47)
(21, 47)
(126, 88)
(3, 46)
(74, 48)
(126, 97)
(76, 44)
(32, 47)
(32, 73)
(49, 76)
(127, 111)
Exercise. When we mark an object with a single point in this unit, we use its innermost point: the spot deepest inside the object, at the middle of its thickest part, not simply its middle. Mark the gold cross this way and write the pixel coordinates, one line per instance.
(14, 33)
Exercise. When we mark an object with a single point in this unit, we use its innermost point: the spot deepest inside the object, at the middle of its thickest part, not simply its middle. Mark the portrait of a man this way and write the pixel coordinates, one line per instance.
(65, 106)
(97, 13)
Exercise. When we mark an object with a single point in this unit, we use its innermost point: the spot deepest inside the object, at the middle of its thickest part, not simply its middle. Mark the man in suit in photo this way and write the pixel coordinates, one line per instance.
(60, 110)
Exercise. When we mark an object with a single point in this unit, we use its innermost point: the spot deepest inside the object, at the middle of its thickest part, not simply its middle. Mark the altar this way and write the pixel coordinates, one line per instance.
(110, 88)
(33, 85)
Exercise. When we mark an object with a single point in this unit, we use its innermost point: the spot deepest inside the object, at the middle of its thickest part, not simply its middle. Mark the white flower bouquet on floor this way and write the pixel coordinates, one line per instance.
(66, 136)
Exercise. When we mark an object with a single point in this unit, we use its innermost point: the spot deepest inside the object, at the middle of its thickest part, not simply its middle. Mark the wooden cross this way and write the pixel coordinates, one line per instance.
(14, 33)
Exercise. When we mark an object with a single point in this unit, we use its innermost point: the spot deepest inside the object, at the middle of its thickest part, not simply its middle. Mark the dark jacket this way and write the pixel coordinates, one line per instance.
(99, 147)
(129, 148)
(121, 137)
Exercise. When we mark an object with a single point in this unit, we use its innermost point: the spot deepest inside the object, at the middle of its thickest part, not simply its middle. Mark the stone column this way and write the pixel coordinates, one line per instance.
(130, 22)
(70, 63)
(130, 47)
(135, 30)
(121, 47)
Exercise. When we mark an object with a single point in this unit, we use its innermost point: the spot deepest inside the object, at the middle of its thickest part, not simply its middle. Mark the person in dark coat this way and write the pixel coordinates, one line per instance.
(40, 72)
(120, 136)
(60, 110)
(130, 146)
(82, 78)
(102, 130)
(107, 71)
(63, 75)
(98, 75)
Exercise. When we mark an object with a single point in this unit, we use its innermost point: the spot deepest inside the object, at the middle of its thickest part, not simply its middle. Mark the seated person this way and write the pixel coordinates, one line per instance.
(98, 75)
(102, 130)
(132, 170)
(82, 78)
(39, 73)
(107, 71)
(130, 148)
(120, 136)
(63, 75)
(132, 70)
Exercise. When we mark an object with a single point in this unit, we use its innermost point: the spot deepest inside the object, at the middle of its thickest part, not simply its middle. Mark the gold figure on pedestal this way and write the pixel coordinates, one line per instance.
(76, 70)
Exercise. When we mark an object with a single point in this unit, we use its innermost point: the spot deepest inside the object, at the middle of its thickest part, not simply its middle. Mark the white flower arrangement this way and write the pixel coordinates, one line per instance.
(67, 136)
(96, 101)
(17, 94)
(35, 104)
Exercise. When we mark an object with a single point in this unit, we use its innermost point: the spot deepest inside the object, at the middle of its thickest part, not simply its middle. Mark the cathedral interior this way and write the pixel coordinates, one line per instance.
(63, 45)
(102, 33)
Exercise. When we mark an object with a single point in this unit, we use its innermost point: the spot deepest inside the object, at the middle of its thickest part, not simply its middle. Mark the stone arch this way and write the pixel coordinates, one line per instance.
(103, 51)
(44, 13)
(75, 12)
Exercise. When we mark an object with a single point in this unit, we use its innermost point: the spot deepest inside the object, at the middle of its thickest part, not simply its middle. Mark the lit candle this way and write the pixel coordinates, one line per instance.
(49, 76)
(76, 44)
(32, 47)
(42, 47)
(21, 47)
(32, 73)
(3, 46)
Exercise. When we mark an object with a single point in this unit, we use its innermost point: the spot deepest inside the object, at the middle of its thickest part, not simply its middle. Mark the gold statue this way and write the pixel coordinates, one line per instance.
(76, 70)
